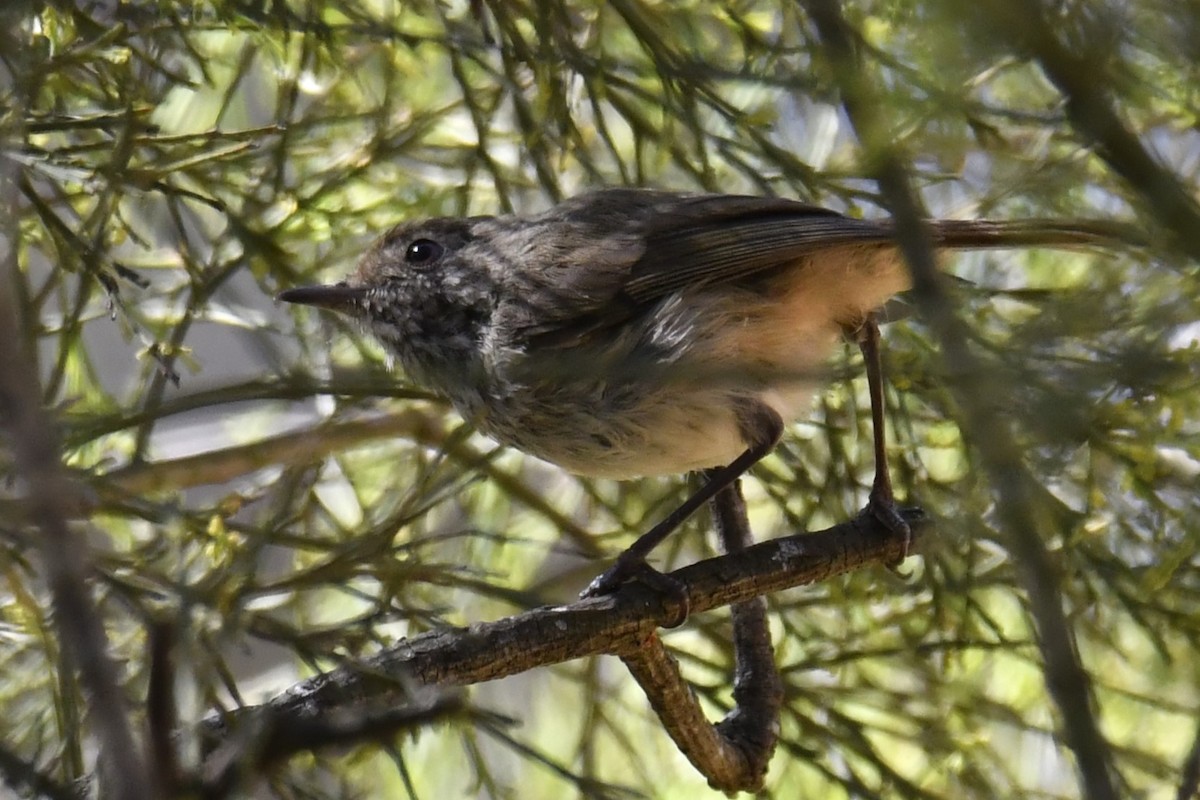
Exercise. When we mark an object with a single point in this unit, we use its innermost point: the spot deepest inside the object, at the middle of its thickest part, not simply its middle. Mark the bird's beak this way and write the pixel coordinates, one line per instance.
(338, 297)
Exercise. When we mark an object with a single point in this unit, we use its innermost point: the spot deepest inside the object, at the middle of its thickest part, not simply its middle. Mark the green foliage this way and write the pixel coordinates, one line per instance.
(259, 480)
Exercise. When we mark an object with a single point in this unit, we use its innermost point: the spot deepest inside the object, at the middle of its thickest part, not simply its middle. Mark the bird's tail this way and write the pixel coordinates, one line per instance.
(983, 234)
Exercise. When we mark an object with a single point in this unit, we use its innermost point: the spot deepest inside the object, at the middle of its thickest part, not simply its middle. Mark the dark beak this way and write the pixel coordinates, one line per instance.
(338, 297)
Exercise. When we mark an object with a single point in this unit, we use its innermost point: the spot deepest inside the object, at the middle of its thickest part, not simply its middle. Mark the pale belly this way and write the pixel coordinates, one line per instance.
(667, 432)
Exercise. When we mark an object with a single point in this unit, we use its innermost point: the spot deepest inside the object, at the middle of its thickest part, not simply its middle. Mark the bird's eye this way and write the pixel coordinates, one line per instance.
(423, 251)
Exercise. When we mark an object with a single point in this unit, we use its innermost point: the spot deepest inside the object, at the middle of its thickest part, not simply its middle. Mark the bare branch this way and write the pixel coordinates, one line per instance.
(1094, 115)
(1189, 785)
(1018, 501)
(621, 623)
(47, 491)
(22, 776)
(269, 736)
(733, 754)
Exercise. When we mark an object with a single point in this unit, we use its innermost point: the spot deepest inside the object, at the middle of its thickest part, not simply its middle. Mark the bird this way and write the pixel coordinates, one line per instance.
(630, 332)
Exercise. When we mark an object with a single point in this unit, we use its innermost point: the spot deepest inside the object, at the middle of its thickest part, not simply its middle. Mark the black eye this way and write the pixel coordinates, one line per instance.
(423, 251)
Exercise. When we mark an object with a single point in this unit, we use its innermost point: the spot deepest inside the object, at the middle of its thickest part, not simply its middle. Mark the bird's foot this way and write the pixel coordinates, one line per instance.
(627, 570)
(883, 508)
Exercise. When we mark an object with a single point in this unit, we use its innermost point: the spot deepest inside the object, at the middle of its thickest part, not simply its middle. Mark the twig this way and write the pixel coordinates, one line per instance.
(162, 713)
(1093, 114)
(1189, 784)
(317, 442)
(734, 753)
(976, 393)
(25, 777)
(616, 624)
(267, 736)
(37, 461)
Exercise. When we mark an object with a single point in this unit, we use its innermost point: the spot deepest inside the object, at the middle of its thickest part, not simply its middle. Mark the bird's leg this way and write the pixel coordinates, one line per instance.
(762, 427)
(881, 503)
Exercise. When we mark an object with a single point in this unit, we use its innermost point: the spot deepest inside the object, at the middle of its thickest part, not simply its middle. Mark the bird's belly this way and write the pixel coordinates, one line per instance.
(664, 433)
(668, 442)
(663, 441)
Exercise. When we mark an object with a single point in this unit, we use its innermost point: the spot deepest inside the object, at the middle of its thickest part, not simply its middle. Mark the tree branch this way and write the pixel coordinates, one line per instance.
(46, 492)
(1022, 512)
(271, 737)
(1093, 114)
(733, 754)
(1189, 784)
(620, 623)
(25, 777)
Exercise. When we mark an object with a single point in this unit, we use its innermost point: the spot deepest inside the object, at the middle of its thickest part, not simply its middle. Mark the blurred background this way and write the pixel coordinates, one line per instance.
(257, 479)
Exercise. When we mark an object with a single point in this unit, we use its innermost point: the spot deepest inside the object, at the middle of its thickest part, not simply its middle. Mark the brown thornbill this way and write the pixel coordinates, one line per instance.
(629, 332)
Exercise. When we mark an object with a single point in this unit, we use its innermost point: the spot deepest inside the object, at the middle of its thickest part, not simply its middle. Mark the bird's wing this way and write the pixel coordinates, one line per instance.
(633, 247)
(714, 239)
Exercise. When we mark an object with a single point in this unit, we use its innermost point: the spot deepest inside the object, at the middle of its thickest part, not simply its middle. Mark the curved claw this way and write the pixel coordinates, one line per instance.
(889, 514)
(625, 571)
(607, 582)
